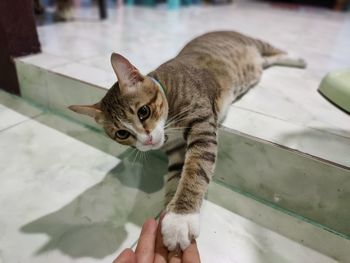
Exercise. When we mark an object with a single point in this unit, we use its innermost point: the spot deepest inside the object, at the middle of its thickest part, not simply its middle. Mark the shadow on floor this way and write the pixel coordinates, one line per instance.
(94, 223)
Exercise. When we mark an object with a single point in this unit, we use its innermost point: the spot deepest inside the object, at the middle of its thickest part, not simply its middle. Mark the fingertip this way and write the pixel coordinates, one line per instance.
(191, 253)
(127, 256)
(146, 244)
(150, 226)
(150, 221)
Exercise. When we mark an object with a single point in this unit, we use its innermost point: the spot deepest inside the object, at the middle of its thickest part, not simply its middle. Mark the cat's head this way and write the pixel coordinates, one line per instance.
(134, 110)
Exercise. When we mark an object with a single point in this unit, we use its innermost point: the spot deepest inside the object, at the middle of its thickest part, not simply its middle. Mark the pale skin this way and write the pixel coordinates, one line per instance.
(150, 248)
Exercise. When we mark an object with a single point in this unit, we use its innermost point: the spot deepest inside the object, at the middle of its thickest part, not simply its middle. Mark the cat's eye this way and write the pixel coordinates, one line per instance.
(143, 113)
(122, 134)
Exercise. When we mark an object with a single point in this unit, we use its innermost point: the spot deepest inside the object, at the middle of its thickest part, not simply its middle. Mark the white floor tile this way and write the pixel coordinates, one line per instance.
(14, 111)
(228, 238)
(44, 60)
(9, 117)
(334, 147)
(62, 200)
(89, 74)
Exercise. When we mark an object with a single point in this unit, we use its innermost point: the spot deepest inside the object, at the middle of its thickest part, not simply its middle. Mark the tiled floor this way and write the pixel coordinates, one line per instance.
(285, 107)
(63, 200)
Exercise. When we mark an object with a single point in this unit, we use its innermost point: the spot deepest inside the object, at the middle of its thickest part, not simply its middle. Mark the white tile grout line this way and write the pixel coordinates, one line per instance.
(21, 122)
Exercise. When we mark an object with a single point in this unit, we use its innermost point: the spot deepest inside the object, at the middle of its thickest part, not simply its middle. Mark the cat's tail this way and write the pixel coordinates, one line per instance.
(267, 50)
(284, 60)
(273, 56)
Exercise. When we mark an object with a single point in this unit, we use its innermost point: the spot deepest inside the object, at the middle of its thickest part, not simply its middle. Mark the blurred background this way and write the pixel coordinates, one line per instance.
(19, 20)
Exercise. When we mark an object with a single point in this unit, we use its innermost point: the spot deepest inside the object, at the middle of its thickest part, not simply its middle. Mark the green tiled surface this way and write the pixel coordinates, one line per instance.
(293, 181)
(33, 82)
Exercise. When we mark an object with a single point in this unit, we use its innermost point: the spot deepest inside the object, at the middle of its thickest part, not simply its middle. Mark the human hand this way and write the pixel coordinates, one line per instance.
(150, 248)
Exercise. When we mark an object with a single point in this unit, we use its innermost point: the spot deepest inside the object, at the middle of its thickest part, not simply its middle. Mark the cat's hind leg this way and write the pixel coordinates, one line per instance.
(283, 60)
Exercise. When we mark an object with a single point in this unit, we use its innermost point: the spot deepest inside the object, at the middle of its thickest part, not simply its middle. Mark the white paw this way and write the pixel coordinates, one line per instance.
(179, 229)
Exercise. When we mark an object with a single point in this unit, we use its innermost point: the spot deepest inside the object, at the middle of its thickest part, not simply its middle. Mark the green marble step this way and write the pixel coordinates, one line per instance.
(308, 187)
(312, 188)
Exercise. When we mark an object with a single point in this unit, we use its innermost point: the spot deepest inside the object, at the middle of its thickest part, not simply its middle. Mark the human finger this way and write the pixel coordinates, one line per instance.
(191, 253)
(175, 256)
(127, 256)
(145, 247)
(161, 252)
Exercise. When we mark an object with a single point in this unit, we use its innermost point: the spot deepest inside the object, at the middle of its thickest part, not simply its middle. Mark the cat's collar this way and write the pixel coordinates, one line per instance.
(159, 85)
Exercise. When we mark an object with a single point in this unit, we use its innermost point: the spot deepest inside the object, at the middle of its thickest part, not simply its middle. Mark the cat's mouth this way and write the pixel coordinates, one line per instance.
(153, 146)
(149, 147)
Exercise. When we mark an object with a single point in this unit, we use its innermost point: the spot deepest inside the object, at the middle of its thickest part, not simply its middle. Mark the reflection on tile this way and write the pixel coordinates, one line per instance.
(227, 237)
(62, 199)
(64, 91)
(295, 182)
(95, 138)
(18, 104)
(13, 110)
(292, 227)
(33, 83)
(9, 117)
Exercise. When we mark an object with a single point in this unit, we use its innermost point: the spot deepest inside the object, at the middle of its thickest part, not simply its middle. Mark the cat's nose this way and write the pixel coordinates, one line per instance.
(149, 140)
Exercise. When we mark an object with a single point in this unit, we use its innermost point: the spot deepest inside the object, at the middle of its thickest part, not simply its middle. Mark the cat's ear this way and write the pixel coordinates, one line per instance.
(127, 74)
(94, 111)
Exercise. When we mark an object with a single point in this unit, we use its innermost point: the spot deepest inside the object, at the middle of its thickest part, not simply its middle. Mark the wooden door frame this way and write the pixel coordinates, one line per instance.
(18, 37)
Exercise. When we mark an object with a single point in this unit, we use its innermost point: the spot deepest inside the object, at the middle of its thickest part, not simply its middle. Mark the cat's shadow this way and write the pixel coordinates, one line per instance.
(94, 223)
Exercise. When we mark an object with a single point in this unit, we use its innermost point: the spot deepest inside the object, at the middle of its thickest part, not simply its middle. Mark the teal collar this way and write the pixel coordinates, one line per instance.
(159, 85)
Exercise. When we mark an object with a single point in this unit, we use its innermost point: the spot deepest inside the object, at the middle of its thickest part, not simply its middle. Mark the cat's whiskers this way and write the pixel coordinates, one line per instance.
(135, 158)
(145, 155)
(183, 110)
(177, 116)
(175, 122)
(184, 127)
(174, 130)
(130, 153)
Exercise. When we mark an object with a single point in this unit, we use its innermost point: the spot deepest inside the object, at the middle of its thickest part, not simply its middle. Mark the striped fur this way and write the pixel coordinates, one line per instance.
(209, 73)
(200, 83)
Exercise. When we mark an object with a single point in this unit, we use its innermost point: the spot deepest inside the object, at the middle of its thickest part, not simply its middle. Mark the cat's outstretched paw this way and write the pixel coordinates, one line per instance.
(179, 229)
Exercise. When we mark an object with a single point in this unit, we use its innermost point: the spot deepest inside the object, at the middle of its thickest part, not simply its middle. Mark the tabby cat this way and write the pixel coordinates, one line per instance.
(177, 108)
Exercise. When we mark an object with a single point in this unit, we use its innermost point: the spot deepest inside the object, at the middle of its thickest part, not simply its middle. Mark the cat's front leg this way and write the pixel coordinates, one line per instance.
(181, 222)
(176, 155)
